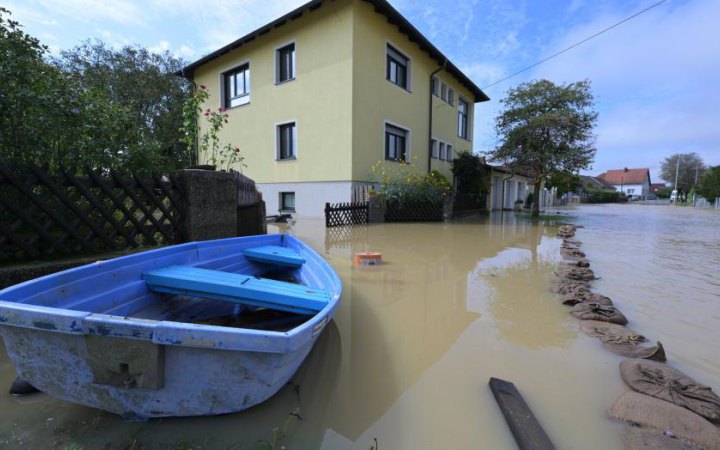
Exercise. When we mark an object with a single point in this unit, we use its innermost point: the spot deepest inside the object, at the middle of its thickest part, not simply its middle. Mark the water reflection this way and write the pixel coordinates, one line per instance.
(408, 358)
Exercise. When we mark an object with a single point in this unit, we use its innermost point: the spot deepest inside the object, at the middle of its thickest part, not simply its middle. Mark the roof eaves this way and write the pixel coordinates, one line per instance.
(382, 7)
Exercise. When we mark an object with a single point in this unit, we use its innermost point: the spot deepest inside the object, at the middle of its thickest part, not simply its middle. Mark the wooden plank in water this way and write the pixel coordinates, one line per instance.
(526, 429)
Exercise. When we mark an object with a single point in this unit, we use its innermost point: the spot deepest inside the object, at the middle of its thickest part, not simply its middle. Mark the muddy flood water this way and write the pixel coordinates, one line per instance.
(407, 361)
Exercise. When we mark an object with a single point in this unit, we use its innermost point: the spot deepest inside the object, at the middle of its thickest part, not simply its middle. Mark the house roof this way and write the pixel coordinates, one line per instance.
(656, 186)
(381, 7)
(589, 182)
(626, 176)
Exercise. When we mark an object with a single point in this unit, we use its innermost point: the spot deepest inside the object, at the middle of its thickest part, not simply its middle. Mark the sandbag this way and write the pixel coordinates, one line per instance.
(579, 263)
(565, 287)
(636, 438)
(572, 253)
(664, 382)
(623, 341)
(656, 414)
(576, 273)
(597, 311)
(573, 299)
(566, 231)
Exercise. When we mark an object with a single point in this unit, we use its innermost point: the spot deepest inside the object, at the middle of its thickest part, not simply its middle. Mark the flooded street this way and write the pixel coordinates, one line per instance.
(407, 361)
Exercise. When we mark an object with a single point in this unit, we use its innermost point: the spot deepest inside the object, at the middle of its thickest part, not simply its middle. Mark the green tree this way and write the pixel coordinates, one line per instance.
(690, 170)
(545, 128)
(710, 184)
(471, 174)
(564, 182)
(663, 192)
(137, 101)
(35, 99)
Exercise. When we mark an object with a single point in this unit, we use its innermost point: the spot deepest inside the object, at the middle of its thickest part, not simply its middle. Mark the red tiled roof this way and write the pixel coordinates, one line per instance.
(656, 186)
(625, 176)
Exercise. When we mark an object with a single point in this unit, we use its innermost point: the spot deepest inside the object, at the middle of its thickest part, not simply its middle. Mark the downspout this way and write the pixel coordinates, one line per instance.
(430, 120)
(502, 208)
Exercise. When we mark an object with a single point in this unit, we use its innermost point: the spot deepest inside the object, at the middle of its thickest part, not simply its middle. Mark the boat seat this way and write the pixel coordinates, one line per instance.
(237, 288)
(274, 254)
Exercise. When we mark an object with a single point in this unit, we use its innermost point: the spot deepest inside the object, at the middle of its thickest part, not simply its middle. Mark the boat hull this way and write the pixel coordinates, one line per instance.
(85, 335)
(197, 381)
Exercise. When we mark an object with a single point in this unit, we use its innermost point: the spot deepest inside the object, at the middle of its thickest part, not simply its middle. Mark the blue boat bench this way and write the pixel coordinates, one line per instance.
(237, 288)
(274, 254)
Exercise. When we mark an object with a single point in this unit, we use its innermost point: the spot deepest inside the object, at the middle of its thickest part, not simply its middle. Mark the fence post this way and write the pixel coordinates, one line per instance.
(376, 209)
(209, 204)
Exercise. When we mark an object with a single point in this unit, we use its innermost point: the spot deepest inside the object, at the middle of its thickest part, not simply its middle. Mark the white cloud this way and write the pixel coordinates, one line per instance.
(93, 11)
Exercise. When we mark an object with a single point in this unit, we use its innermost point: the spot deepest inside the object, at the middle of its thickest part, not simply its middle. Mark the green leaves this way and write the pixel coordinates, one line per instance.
(710, 184)
(93, 105)
(545, 129)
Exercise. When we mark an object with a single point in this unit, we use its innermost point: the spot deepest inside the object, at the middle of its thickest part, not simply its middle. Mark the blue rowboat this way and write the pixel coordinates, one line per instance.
(201, 328)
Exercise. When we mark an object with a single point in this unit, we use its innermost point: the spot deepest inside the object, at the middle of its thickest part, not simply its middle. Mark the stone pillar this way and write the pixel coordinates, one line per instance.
(447, 207)
(376, 209)
(209, 201)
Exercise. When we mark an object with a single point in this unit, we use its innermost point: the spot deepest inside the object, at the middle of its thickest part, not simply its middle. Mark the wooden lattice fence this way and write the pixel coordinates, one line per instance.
(49, 216)
(414, 212)
(344, 214)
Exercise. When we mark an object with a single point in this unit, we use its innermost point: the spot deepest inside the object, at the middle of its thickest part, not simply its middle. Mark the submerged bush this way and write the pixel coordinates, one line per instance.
(405, 183)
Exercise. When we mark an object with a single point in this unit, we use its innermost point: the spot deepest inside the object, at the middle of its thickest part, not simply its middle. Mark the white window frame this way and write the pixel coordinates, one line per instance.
(408, 141)
(468, 115)
(294, 137)
(281, 203)
(449, 149)
(434, 149)
(443, 151)
(277, 62)
(408, 71)
(221, 84)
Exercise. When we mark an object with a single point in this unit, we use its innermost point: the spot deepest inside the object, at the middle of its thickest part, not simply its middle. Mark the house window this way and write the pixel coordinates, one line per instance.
(395, 143)
(449, 152)
(443, 151)
(462, 119)
(451, 97)
(287, 201)
(434, 149)
(286, 141)
(236, 85)
(398, 67)
(285, 64)
(443, 91)
(631, 191)
(435, 86)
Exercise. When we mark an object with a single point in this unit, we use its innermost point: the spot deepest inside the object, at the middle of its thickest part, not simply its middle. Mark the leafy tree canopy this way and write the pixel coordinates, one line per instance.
(690, 170)
(92, 105)
(710, 184)
(545, 128)
(564, 182)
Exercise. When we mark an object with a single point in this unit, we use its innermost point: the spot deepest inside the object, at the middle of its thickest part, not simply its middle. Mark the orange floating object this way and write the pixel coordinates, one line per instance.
(367, 259)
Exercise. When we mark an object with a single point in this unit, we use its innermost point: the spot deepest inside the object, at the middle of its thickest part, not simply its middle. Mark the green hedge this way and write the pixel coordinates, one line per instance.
(600, 196)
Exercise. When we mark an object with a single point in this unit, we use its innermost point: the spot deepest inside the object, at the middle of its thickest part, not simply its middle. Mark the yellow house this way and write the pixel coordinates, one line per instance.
(318, 96)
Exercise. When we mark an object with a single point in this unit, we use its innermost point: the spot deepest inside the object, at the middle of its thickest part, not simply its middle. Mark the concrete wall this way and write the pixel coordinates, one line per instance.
(310, 197)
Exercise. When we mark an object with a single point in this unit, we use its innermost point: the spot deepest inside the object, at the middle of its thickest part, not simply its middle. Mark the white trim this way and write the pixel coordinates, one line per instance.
(409, 66)
(408, 141)
(277, 140)
(469, 118)
(277, 72)
(221, 81)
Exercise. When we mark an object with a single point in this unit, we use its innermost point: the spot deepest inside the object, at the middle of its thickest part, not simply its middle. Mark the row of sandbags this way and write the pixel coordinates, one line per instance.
(665, 408)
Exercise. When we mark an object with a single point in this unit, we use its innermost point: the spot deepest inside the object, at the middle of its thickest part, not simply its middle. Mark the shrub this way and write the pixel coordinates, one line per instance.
(601, 196)
(405, 183)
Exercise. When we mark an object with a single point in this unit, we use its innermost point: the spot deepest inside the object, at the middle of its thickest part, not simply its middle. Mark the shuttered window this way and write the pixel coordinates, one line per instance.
(398, 67)
(285, 63)
(395, 143)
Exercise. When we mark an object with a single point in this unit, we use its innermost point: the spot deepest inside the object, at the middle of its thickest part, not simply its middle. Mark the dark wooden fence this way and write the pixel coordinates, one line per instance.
(344, 214)
(414, 212)
(49, 216)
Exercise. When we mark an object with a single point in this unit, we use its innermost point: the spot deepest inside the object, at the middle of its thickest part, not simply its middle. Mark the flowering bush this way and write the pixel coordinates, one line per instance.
(405, 183)
(225, 156)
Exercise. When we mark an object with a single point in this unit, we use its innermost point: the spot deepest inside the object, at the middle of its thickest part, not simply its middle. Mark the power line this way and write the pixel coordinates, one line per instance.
(577, 43)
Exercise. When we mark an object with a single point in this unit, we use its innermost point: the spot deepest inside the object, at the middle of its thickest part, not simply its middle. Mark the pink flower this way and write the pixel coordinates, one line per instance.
(203, 87)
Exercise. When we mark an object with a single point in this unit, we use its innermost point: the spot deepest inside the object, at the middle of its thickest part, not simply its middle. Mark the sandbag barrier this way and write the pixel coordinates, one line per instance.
(664, 408)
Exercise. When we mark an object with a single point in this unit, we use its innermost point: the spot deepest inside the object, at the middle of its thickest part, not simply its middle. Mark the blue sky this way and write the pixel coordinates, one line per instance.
(656, 77)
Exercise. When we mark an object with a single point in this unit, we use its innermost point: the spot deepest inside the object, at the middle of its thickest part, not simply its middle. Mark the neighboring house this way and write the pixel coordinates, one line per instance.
(589, 183)
(635, 183)
(506, 187)
(654, 188)
(321, 94)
